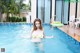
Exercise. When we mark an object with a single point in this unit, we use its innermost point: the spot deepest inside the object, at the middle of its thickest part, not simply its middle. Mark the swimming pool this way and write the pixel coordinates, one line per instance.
(11, 40)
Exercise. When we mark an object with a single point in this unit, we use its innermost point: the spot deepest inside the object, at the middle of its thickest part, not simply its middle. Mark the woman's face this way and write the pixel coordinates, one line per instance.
(37, 23)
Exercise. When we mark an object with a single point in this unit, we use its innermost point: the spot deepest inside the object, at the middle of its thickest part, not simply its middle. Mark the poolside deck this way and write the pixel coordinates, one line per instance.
(72, 31)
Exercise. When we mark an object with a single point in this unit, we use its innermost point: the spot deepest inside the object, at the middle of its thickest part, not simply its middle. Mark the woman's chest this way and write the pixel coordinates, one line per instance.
(37, 32)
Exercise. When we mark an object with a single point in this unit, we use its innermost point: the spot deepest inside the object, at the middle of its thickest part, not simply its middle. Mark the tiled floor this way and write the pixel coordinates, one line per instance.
(72, 31)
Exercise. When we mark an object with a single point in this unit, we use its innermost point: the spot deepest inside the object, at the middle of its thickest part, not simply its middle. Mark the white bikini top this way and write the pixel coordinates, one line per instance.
(37, 34)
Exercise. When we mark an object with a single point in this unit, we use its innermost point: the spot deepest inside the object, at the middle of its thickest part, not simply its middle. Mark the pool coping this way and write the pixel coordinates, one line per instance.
(70, 35)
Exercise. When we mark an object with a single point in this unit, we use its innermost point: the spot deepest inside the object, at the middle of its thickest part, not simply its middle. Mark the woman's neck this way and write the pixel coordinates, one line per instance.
(38, 29)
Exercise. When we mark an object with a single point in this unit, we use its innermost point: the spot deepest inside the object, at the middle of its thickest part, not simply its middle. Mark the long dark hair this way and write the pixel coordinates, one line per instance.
(34, 26)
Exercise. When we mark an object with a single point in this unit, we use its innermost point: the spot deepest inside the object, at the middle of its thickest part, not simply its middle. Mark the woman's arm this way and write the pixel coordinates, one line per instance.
(43, 34)
(31, 33)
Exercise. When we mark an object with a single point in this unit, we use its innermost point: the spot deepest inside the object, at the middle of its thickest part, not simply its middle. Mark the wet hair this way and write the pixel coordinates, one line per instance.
(34, 25)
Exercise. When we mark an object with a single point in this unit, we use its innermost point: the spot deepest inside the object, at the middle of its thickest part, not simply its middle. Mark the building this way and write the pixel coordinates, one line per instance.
(63, 10)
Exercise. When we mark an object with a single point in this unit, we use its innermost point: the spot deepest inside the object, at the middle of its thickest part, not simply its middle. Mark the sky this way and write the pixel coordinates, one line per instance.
(26, 1)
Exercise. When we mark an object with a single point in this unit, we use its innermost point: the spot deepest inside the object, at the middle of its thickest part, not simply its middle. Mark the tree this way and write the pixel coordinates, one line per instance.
(30, 4)
(2, 8)
(8, 6)
(12, 7)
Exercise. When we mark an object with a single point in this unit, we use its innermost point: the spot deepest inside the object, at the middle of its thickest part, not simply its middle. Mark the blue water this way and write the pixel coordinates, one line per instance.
(11, 40)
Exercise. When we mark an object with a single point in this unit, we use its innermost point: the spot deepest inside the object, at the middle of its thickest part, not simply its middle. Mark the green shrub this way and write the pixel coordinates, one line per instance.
(13, 19)
(16, 19)
(24, 19)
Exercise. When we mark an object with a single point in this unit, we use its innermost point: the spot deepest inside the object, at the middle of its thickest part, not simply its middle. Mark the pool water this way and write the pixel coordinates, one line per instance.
(11, 40)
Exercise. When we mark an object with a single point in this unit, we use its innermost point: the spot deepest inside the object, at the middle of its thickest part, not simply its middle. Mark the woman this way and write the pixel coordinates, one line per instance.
(37, 34)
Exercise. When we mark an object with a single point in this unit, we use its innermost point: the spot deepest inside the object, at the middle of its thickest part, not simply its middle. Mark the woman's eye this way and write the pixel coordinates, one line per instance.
(37, 23)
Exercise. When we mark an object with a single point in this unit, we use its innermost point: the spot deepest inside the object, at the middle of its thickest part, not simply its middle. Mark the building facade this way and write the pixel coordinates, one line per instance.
(61, 10)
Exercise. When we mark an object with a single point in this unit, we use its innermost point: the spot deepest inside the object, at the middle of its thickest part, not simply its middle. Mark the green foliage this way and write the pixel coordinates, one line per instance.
(72, 1)
(24, 19)
(13, 7)
(16, 19)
